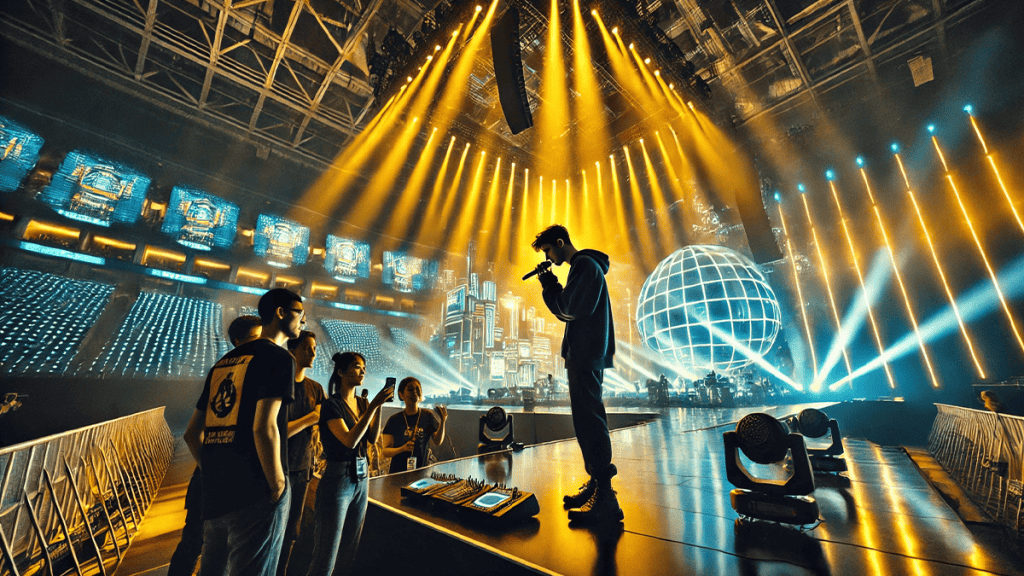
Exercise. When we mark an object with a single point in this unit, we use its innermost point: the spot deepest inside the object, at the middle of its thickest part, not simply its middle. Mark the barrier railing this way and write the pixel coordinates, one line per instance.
(72, 502)
(982, 451)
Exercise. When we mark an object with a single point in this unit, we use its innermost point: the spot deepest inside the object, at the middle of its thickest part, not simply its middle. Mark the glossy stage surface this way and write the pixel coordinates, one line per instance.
(882, 518)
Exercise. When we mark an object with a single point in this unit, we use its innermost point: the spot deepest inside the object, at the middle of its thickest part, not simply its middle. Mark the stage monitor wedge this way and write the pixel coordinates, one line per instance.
(508, 71)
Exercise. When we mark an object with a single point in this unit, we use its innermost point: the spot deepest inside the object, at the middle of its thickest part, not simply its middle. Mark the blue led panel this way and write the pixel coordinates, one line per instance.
(281, 242)
(407, 273)
(91, 189)
(347, 259)
(19, 150)
(199, 220)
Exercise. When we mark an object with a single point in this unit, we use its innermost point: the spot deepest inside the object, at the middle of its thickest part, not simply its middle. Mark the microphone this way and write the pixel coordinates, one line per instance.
(542, 266)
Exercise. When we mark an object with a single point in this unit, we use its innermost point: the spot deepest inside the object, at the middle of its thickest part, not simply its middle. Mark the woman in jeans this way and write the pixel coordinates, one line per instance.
(347, 424)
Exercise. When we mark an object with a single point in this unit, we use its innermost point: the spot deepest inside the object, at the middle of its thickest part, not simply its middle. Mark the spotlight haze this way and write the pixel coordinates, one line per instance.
(701, 285)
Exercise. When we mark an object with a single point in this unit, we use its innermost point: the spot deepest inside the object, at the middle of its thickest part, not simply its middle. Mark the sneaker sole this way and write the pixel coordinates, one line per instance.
(588, 521)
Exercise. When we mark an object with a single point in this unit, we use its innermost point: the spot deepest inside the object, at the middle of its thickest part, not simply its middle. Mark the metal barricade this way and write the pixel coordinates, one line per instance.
(982, 451)
(72, 502)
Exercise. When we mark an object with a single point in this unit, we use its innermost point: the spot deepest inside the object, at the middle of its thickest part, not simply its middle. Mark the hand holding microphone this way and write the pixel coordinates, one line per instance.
(542, 267)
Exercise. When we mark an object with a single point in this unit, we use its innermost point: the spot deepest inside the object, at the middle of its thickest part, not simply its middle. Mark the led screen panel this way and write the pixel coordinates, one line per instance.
(346, 259)
(407, 273)
(281, 242)
(19, 150)
(455, 303)
(91, 189)
(201, 221)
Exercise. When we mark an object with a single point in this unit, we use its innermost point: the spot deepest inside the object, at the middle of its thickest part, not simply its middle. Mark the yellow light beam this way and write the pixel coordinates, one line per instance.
(942, 274)
(488, 234)
(816, 385)
(405, 210)
(464, 220)
(553, 112)
(899, 281)
(505, 233)
(665, 230)
(647, 245)
(554, 200)
(995, 170)
(429, 218)
(981, 248)
(444, 221)
(592, 124)
(863, 288)
(828, 285)
(619, 206)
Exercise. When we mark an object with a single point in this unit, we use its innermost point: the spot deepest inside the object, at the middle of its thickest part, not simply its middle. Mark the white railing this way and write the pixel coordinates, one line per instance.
(984, 452)
(71, 503)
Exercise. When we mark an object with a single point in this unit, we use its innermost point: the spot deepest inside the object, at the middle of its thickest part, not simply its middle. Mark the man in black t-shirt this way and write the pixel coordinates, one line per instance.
(237, 435)
(303, 413)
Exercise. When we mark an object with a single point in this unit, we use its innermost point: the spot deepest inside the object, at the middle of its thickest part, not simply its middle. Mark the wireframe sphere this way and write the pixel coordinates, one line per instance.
(703, 302)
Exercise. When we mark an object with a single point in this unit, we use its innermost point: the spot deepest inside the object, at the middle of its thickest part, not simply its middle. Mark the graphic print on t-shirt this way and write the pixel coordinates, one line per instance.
(226, 383)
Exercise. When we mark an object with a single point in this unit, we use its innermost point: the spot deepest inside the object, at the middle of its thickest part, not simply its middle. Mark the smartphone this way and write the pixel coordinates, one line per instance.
(390, 382)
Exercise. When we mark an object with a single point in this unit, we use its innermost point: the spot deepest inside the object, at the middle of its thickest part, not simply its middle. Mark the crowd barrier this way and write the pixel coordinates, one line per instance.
(984, 452)
(72, 502)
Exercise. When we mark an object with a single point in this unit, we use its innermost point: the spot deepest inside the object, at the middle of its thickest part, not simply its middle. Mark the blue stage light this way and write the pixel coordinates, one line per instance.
(830, 175)
(931, 128)
(895, 147)
(778, 197)
(969, 109)
(801, 188)
(860, 161)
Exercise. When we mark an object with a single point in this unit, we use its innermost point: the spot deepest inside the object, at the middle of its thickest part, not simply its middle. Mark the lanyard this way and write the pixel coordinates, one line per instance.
(416, 429)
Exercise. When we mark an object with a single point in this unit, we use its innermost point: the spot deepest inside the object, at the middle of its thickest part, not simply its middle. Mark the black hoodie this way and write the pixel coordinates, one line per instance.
(589, 341)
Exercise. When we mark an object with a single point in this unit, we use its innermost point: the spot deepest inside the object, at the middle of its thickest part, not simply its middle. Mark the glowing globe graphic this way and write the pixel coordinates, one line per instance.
(709, 308)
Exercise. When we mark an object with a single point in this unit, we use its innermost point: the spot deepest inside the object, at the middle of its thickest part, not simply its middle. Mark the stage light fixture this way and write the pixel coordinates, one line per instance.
(479, 7)
(493, 423)
(895, 147)
(830, 175)
(813, 423)
(969, 109)
(615, 30)
(860, 161)
(765, 440)
(801, 188)
(931, 128)
(778, 197)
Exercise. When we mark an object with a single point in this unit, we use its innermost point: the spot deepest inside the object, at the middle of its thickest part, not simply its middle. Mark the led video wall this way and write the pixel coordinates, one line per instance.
(19, 151)
(407, 273)
(282, 243)
(95, 190)
(346, 259)
(201, 221)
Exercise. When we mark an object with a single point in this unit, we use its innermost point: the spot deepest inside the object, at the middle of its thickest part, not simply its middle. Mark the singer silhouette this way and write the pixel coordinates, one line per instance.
(588, 347)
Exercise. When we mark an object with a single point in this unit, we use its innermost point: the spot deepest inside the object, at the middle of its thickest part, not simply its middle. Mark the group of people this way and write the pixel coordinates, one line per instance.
(252, 429)
(252, 436)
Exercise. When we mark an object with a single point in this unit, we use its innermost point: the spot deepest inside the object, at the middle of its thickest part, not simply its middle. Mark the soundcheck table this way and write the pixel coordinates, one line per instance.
(881, 517)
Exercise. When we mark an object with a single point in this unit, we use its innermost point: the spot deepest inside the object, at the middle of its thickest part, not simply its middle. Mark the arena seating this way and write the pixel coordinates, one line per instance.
(43, 319)
(165, 335)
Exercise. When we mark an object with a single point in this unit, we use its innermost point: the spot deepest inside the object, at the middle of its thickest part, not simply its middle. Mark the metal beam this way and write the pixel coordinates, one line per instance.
(211, 66)
(793, 53)
(864, 46)
(147, 38)
(293, 18)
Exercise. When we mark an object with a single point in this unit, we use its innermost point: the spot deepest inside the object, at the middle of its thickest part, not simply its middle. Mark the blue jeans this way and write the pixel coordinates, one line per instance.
(246, 542)
(338, 520)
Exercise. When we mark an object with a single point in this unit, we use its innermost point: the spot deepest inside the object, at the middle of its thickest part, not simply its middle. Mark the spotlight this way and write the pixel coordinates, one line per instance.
(801, 188)
(778, 197)
(764, 440)
(593, 12)
(671, 86)
(647, 60)
(814, 423)
(657, 72)
(630, 45)
(830, 175)
(408, 78)
(615, 30)
(479, 7)
(931, 128)
(860, 161)
(437, 47)
(496, 421)
(969, 109)
(895, 147)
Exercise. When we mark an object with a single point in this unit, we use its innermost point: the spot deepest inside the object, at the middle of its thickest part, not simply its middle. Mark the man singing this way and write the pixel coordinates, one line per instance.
(587, 347)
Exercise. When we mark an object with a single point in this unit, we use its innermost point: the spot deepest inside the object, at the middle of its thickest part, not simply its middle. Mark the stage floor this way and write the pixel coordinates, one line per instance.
(678, 520)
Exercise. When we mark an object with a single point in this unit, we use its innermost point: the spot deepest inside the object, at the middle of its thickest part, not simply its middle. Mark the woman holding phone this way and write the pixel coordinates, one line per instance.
(347, 424)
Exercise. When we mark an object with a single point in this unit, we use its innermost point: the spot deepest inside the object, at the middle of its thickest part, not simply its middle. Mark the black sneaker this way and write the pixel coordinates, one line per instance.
(602, 506)
(580, 498)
